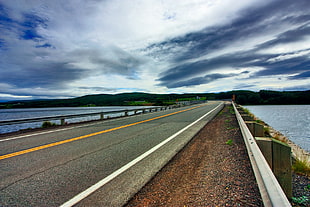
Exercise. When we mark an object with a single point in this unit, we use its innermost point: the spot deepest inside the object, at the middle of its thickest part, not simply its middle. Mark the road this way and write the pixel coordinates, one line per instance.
(98, 164)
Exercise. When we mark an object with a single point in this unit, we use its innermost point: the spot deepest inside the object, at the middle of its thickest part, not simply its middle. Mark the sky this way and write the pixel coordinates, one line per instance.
(64, 49)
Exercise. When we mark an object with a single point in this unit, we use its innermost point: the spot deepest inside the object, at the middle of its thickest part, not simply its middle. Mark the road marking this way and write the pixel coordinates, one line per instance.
(2, 157)
(116, 173)
(56, 130)
(35, 134)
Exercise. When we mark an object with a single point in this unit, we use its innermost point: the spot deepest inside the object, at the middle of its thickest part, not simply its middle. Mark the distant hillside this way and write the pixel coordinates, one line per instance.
(242, 97)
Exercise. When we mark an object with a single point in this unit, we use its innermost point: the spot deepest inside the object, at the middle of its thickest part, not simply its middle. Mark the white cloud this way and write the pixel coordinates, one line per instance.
(103, 44)
(289, 56)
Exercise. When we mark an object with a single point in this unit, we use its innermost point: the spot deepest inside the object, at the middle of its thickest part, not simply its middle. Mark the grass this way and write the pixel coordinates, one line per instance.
(229, 142)
(246, 110)
(301, 167)
(267, 131)
(300, 200)
(231, 110)
(47, 124)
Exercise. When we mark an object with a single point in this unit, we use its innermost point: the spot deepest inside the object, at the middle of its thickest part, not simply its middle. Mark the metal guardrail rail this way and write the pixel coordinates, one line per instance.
(271, 191)
(63, 117)
(124, 112)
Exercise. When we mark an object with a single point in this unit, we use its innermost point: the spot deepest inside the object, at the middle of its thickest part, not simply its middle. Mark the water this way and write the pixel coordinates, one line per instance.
(293, 121)
(15, 114)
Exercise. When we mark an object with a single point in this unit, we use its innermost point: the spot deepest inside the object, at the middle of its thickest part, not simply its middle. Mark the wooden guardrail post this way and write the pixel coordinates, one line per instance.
(271, 191)
(278, 156)
(62, 121)
(256, 129)
(246, 117)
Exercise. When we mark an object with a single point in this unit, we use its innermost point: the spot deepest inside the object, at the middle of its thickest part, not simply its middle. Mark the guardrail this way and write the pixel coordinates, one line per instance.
(125, 112)
(271, 191)
(64, 117)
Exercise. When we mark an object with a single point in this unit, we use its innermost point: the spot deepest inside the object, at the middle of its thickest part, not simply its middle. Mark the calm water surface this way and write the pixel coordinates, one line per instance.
(15, 114)
(293, 121)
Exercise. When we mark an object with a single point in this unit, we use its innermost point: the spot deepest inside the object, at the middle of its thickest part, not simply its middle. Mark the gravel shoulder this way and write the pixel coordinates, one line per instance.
(212, 170)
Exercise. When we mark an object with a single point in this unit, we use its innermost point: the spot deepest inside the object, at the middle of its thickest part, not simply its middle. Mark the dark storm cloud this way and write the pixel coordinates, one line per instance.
(199, 80)
(286, 67)
(303, 75)
(29, 25)
(196, 68)
(74, 66)
(254, 22)
(47, 74)
(30, 60)
(293, 35)
(117, 61)
(242, 86)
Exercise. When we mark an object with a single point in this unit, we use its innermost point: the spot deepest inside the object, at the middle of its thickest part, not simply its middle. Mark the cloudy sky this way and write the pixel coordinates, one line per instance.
(69, 48)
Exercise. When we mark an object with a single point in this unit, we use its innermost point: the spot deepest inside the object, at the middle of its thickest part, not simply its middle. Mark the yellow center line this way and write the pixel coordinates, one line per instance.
(2, 157)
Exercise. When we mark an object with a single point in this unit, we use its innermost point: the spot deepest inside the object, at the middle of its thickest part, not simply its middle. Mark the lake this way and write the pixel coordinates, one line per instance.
(15, 114)
(293, 121)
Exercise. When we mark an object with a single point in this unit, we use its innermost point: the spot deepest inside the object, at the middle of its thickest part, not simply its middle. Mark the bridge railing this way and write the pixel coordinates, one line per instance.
(125, 112)
(62, 118)
(271, 191)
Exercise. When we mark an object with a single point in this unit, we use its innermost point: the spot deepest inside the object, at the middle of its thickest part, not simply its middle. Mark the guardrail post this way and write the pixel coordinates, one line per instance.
(101, 116)
(265, 145)
(256, 129)
(126, 113)
(282, 166)
(278, 156)
(270, 189)
(62, 121)
(246, 117)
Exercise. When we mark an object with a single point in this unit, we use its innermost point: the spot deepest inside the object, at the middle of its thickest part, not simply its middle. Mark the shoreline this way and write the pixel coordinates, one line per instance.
(297, 151)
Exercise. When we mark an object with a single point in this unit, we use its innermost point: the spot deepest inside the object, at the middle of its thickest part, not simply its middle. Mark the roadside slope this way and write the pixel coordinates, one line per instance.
(212, 170)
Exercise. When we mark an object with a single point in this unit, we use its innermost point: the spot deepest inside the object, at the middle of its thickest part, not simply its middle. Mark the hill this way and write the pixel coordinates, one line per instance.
(242, 97)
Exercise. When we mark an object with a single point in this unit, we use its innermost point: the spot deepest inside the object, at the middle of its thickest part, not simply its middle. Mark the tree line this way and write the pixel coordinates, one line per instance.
(243, 97)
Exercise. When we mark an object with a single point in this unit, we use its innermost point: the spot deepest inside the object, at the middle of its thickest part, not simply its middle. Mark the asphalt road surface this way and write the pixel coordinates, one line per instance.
(95, 164)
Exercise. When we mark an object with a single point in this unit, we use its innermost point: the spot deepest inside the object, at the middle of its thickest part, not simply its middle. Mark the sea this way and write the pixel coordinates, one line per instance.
(16, 114)
(293, 121)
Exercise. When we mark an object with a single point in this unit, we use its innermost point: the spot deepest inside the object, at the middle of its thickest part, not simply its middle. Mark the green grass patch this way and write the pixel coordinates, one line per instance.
(229, 142)
(301, 167)
(231, 110)
(300, 200)
(47, 124)
(266, 131)
(246, 110)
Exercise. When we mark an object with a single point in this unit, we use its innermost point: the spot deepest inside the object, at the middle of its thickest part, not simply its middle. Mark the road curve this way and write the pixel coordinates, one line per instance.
(100, 164)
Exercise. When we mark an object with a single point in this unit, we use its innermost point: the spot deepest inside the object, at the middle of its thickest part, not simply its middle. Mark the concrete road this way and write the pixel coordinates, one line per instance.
(98, 164)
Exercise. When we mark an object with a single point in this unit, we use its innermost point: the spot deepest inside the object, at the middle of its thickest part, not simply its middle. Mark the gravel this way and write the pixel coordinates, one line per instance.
(212, 170)
(301, 189)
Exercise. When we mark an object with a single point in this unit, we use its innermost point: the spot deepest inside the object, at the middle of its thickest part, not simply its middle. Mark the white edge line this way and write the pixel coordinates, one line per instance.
(56, 130)
(116, 173)
(35, 134)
